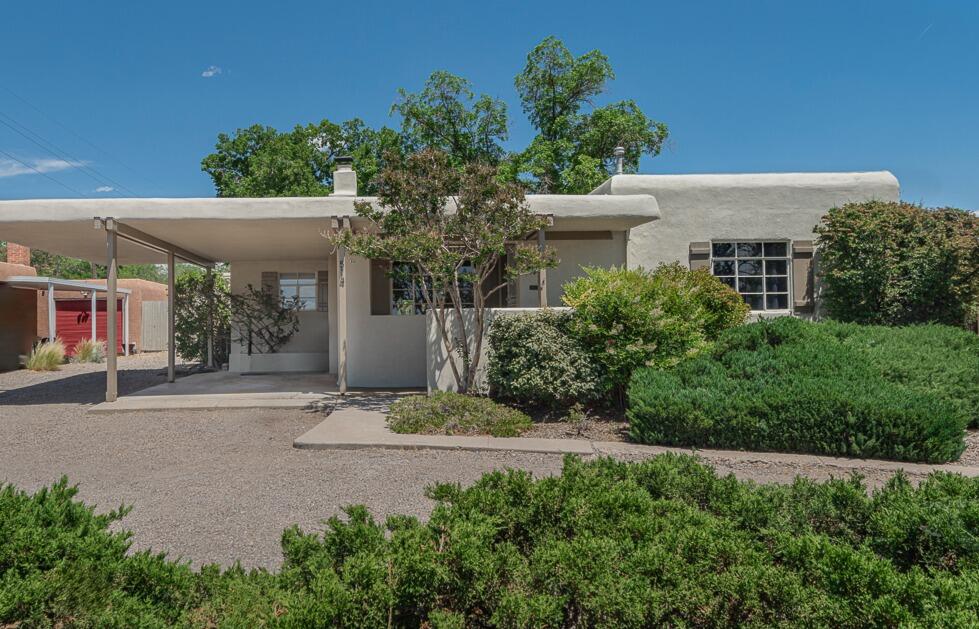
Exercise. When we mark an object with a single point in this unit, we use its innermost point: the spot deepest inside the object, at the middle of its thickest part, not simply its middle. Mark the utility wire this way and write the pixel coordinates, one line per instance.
(53, 148)
(43, 174)
(68, 129)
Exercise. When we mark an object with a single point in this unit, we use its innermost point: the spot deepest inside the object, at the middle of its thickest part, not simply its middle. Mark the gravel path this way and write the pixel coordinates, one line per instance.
(215, 486)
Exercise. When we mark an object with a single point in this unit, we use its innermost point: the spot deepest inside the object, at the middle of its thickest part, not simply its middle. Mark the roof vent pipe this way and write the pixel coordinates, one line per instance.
(619, 159)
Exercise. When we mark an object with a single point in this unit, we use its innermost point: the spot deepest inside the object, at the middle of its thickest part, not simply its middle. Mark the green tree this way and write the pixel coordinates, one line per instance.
(446, 115)
(261, 162)
(894, 263)
(573, 151)
(451, 228)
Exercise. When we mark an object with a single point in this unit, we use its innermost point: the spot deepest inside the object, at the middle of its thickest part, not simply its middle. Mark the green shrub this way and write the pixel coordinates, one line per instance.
(533, 361)
(89, 351)
(447, 413)
(630, 318)
(826, 388)
(201, 307)
(47, 356)
(897, 263)
(665, 542)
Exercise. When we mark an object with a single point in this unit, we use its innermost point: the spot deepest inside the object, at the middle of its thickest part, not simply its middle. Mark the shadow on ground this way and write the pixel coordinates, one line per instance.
(83, 388)
(379, 402)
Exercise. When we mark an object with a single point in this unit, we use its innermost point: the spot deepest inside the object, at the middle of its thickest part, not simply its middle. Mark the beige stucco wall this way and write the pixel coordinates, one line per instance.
(573, 255)
(313, 347)
(699, 208)
(384, 350)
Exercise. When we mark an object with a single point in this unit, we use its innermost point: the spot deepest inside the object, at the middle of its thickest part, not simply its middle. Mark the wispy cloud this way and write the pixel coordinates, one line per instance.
(13, 168)
(104, 189)
(211, 71)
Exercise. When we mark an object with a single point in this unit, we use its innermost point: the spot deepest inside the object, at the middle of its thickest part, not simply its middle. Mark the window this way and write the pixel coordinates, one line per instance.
(407, 296)
(301, 286)
(756, 269)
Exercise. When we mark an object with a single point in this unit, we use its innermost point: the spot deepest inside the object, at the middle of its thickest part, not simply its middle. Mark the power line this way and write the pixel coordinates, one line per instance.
(43, 174)
(69, 130)
(53, 148)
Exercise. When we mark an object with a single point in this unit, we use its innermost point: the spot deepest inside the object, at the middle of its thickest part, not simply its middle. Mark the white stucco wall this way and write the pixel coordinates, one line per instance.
(313, 347)
(698, 208)
(383, 350)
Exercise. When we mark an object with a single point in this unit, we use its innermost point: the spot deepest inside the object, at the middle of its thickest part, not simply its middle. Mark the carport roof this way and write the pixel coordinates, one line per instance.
(48, 283)
(238, 229)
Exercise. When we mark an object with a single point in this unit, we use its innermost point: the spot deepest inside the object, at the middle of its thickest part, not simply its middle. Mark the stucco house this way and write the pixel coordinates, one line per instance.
(755, 231)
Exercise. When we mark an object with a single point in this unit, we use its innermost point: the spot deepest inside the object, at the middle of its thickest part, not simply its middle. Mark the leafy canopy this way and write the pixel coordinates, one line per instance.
(447, 116)
(262, 162)
(453, 229)
(573, 151)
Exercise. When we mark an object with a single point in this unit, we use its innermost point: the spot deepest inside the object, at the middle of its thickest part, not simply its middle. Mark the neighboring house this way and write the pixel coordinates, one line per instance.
(755, 231)
(26, 315)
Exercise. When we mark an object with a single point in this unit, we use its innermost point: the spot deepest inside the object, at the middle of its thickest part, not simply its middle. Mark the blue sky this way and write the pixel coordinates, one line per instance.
(744, 86)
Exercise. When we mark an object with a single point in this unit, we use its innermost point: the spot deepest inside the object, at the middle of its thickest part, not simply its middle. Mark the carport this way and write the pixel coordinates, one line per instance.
(52, 284)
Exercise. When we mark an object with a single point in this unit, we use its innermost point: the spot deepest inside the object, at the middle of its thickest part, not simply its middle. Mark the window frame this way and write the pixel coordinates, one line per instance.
(419, 307)
(295, 281)
(737, 258)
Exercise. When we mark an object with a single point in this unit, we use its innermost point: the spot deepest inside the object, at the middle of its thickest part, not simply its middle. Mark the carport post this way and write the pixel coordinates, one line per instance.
(171, 336)
(125, 324)
(542, 273)
(52, 315)
(94, 308)
(342, 319)
(112, 340)
(210, 316)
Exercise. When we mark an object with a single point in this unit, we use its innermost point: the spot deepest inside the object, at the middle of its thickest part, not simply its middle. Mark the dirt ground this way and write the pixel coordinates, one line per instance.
(220, 486)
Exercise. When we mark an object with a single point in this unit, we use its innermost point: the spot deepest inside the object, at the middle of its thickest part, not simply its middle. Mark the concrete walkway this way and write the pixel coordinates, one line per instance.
(355, 428)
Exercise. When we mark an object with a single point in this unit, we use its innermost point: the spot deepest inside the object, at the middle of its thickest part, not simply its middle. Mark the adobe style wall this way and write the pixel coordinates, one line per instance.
(17, 322)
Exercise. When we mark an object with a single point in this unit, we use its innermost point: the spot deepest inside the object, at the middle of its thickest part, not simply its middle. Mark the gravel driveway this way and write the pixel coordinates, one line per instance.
(215, 486)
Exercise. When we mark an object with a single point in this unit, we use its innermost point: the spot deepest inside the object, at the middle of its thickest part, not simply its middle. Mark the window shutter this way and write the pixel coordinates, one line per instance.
(802, 275)
(699, 255)
(270, 283)
(322, 291)
(380, 287)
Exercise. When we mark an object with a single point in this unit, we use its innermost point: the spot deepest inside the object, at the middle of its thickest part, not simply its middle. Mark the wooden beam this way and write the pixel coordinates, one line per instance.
(152, 242)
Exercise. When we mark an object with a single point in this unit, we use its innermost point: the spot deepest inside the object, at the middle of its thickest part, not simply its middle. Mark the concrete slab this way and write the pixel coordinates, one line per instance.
(222, 389)
(350, 428)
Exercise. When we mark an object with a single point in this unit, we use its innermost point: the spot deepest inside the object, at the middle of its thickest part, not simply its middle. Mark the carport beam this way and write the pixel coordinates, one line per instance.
(112, 340)
(542, 272)
(171, 336)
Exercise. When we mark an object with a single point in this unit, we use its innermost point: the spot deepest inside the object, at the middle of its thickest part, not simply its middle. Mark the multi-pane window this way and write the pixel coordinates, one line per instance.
(299, 286)
(407, 296)
(758, 270)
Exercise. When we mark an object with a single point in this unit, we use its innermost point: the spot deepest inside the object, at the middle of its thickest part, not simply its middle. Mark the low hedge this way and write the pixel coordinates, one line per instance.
(825, 388)
(448, 413)
(604, 544)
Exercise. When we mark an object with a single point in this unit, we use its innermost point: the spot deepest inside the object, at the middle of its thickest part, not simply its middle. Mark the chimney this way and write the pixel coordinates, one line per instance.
(18, 254)
(344, 178)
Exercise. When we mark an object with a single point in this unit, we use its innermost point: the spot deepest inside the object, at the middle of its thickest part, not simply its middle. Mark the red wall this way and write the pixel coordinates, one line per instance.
(74, 322)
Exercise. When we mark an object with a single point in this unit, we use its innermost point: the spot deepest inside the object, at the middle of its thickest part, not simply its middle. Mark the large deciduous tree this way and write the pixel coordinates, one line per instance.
(573, 151)
(451, 228)
(261, 162)
(447, 115)
(898, 263)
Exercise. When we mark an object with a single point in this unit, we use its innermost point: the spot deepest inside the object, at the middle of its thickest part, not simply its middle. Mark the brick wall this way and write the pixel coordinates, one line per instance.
(18, 254)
